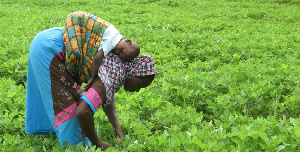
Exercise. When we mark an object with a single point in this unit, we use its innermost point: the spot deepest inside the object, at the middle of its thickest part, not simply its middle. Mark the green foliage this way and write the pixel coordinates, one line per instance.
(12, 104)
(227, 74)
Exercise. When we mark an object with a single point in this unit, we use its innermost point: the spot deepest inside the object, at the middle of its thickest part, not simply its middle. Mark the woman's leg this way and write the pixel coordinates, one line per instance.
(36, 118)
(39, 114)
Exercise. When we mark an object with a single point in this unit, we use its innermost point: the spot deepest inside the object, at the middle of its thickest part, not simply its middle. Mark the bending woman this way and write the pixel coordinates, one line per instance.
(52, 103)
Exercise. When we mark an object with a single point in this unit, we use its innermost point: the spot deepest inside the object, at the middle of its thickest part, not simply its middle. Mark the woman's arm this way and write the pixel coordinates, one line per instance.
(110, 111)
(85, 120)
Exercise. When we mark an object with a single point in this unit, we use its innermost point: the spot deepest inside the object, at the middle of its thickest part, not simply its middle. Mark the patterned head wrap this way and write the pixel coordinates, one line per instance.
(141, 66)
(82, 35)
(113, 72)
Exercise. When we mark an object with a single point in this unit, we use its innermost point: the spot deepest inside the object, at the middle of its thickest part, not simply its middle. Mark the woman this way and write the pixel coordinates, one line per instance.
(53, 105)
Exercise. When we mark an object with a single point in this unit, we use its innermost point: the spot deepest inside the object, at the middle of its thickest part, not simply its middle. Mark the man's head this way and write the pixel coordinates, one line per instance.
(127, 50)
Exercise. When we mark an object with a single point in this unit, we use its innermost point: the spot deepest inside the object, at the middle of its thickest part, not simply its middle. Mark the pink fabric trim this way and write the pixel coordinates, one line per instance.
(65, 115)
(94, 97)
(60, 55)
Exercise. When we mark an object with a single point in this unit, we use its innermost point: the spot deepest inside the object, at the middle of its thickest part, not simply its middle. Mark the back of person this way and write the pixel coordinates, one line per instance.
(82, 34)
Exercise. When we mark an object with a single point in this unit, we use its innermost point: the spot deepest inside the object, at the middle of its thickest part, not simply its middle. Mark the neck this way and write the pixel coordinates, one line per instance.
(119, 45)
(114, 51)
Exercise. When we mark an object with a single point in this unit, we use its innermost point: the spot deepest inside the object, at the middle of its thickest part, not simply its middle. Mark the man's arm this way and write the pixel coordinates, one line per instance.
(95, 67)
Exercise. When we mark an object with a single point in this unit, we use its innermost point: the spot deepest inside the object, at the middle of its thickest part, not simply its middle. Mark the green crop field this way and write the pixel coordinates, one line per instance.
(228, 74)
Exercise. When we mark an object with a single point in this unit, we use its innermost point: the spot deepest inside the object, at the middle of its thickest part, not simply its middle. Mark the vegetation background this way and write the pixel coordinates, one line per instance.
(228, 73)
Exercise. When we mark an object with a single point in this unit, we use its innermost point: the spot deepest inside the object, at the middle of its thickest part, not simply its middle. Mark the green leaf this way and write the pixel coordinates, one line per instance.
(279, 148)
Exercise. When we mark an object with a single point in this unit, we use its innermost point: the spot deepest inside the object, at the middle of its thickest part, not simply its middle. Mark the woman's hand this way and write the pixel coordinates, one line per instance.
(103, 145)
(119, 134)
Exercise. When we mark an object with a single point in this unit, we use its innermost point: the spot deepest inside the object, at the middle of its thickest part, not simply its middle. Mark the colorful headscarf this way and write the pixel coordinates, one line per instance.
(141, 66)
(82, 34)
(113, 72)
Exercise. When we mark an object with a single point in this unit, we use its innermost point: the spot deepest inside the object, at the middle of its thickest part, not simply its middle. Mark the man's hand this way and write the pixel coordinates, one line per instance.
(88, 85)
(79, 90)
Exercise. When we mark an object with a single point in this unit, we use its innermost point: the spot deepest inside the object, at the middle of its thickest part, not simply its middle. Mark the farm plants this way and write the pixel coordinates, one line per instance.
(227, 74)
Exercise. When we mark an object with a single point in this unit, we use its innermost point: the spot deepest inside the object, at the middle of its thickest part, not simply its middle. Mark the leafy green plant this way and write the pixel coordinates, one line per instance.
(227, 74)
